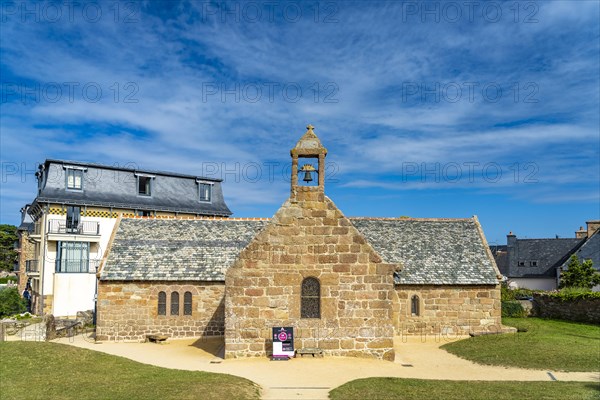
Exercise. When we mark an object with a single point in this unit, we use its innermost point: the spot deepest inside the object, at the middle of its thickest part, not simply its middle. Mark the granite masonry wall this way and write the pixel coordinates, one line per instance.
(128, 311)
(447, 309)
(583, 310)
(310, 237)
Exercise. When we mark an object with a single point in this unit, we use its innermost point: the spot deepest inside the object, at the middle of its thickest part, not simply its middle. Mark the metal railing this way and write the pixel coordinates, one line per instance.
(60, 226)
(87, 266)
(32, 266)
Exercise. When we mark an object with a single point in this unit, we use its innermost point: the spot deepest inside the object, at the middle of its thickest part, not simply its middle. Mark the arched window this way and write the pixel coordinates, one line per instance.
(162, 303)
(310, 306)
(414, 305)
(187, 303)
(175, 303)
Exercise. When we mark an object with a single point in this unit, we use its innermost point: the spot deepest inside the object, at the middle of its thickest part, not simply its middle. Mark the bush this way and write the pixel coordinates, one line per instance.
(513, 309)
(11, 303)
(572, 293)
(8, 279)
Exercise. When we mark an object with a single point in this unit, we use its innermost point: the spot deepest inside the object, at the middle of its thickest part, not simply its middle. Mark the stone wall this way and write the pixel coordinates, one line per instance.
(26, 252)
(310, 237)
(447, 309)
(583, 310)
(129, 310)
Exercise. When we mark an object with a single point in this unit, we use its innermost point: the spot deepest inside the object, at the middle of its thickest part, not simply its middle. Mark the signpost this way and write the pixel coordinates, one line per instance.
(283, 343)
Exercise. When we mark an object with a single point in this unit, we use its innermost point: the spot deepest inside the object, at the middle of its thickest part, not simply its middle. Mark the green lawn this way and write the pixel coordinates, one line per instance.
(30, 370)
(547, 344)
(418, 389)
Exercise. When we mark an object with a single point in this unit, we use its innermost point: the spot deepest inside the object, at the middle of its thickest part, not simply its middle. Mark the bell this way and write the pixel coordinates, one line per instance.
(307, 177)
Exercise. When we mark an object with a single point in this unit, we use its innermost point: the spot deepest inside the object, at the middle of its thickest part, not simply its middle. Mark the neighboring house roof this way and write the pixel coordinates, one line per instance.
(590, 250)
(547, 253)
(501, 256)
(109, 186)
(439, 252)
(431, 251)
(177, 250)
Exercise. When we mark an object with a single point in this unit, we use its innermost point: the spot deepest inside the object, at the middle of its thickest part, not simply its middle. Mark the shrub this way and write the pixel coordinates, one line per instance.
(11, 303)
(513, 309)
(573, 293)
(579, 274)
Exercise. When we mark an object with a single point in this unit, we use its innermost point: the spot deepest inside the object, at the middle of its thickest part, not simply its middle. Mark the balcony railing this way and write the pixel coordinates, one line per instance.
(32, 266)
(60, 226)
(86, 266)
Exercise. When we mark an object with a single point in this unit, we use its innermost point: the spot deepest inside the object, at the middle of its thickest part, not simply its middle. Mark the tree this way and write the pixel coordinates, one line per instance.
(579, 274)
(8, 255)
(11, 303)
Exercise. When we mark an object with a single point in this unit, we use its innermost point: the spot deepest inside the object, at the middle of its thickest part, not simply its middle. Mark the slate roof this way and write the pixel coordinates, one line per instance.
(548, 253)
(432, 251)
(177, 250)
(441, 252)
(110, 186)
(590, 250)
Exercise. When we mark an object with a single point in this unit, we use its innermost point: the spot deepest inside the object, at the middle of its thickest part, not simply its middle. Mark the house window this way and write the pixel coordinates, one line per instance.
(310, 305)
(205, 191)
(144, 185)
(73, 214)
(521, 263)
(73, 257)
(162, 303)
(175, 303)
(415, 306)
(74, 179)
(187, 303)
(533, 263)
(144, 213)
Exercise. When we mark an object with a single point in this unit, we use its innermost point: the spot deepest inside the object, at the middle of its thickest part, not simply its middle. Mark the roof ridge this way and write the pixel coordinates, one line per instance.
(194, 218)
(410, 219)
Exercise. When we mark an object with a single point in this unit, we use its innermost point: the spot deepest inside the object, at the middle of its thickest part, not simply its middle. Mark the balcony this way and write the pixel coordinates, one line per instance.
(32, 267)
(35, 232)
(85, 266)
(88, 231)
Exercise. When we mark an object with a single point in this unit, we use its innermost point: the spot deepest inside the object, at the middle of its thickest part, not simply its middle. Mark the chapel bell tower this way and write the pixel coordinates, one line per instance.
(308, 179)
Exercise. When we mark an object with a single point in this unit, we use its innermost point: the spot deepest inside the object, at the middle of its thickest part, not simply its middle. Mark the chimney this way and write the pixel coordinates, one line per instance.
(592, 226)
(511, 252)
(581, 233)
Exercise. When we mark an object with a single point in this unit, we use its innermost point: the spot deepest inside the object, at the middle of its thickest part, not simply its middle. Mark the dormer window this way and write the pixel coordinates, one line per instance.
(74, 179)
(205, 191)
(144, 185)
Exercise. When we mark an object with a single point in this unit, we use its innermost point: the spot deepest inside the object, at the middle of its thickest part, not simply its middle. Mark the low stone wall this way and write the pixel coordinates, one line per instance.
(128, 311)
(454, 310)
(583, 310)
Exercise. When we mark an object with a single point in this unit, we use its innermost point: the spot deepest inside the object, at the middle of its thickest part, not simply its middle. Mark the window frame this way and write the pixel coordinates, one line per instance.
(208, 185)
(415, 305)
(304, 298)
(161, 308)
(72, 171)
(84, 257)
(150, 185)
(188, 301)
(174, 304)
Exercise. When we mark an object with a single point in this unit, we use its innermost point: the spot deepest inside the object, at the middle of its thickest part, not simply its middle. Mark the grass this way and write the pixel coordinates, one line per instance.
(30, 370)
(419, 389)
(547, 344)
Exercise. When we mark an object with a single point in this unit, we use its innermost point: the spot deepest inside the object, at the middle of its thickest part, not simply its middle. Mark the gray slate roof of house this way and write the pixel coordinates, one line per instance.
(548, 253)
(590, 250)
(109, 186)
(434, 252)
(177, 250)
(439, 252)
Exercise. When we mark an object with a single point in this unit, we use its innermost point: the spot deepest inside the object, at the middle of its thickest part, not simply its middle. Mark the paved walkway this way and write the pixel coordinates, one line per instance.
(313, 378)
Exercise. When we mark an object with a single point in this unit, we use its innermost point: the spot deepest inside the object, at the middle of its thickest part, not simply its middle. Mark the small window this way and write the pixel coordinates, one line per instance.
(205, 191)
(74, 179)
(415, 306)
(187, 303)
(175, 303)
(521, 263)
(144, 185)
(162, 303)
(310, 305)
(143, 213)
(533, 263)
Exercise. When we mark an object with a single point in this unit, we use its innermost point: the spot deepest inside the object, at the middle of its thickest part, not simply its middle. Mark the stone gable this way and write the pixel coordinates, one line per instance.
(310, 237)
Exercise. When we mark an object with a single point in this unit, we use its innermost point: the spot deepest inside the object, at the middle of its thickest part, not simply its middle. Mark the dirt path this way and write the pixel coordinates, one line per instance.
(313, 378)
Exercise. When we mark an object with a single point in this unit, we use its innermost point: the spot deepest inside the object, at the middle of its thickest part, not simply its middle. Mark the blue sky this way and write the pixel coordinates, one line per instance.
(438, 109)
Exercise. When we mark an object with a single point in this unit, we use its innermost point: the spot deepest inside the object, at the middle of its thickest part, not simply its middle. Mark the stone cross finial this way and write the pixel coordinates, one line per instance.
(310, 127)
